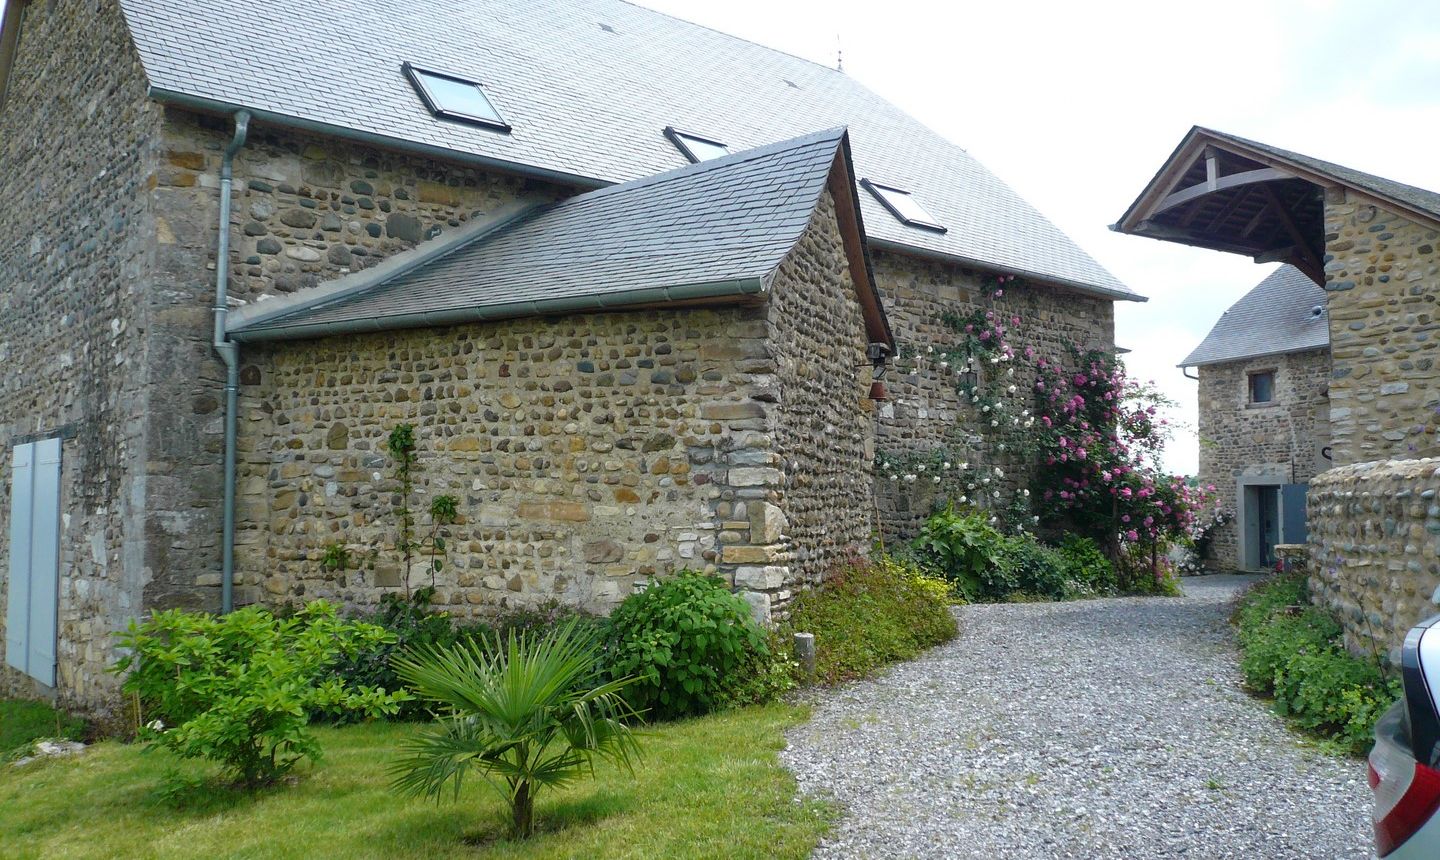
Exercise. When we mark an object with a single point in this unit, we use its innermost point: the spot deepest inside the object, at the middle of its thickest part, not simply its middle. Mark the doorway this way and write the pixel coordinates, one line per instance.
(1262, 525)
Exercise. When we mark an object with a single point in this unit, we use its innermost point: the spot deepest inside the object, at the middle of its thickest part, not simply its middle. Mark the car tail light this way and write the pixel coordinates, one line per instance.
(1407, 793)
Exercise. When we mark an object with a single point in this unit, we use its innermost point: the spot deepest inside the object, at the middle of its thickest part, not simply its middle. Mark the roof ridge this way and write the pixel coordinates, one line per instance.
(837, 133)
(720, 32)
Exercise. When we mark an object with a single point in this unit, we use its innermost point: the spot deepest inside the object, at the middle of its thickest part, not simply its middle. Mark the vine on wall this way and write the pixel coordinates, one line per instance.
(1091, 433)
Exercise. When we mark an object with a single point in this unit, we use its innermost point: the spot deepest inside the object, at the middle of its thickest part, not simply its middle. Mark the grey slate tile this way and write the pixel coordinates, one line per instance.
(1277, 316)
(588, 102)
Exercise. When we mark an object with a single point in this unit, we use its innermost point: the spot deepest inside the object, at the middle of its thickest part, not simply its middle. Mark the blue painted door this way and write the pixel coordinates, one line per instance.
(17, 604)
(31, 614)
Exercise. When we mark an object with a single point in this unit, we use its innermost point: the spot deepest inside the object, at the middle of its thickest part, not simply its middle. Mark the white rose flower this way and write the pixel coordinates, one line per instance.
(998, 473)
(996, 494)
(155, 726)
(936, 479)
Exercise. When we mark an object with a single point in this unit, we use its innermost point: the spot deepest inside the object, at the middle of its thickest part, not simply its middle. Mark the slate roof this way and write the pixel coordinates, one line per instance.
(1427, 201)
(717, 228)
(588, 87)
(1277, 316)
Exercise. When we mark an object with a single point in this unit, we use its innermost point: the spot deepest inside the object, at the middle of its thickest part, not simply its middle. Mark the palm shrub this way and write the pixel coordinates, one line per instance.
(688, 640)
(527, 712)
(239, 689)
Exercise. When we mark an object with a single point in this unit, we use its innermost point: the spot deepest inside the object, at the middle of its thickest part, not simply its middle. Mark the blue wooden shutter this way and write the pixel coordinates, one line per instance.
(1292, 505)
(17, 610)
(45, 561)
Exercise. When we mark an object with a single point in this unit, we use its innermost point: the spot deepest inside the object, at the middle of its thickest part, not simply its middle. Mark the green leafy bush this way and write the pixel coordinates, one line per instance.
(964, 547)
(524, 711)
(1028, 567)
(871, 613)
(1294, 651)
(687, 640)
(1086, 565)
(238, 689)
(410, 624)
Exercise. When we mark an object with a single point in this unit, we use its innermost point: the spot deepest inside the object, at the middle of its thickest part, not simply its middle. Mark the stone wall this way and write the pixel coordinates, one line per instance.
(1382, 274)
(924, 410)
(305, 209)
(1283, 439)
(588, 453)
(76, 248)
(822, 421)
(1375, 548)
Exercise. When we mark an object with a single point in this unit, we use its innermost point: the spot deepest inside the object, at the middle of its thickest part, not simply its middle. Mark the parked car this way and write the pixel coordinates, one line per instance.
(1405, 763)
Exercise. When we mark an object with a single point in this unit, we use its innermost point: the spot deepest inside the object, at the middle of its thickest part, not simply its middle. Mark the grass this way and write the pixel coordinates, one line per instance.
(707, 787)
(23, 722)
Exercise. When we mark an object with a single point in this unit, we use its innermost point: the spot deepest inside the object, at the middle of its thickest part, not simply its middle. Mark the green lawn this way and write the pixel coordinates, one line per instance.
(709, 787)
(22, 722)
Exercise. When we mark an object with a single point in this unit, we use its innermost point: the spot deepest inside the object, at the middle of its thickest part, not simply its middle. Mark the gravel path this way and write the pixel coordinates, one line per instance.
(1094, 729)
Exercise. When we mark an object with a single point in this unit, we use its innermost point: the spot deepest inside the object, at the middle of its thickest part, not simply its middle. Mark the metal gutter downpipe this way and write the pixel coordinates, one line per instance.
(229, 352)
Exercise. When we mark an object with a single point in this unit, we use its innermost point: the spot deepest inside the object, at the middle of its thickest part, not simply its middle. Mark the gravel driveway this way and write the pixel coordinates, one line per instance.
(1093, 729)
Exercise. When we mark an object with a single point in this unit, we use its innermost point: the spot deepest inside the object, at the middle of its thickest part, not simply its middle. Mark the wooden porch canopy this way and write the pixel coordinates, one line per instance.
(1231, 194)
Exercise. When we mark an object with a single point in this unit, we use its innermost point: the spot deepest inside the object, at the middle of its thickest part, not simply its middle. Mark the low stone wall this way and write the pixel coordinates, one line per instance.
(1375, 548)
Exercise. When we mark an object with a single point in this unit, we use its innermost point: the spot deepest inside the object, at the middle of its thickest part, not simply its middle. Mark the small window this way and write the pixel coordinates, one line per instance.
(1262, 386)
(694, 147)
(903, 205)
(454, 98)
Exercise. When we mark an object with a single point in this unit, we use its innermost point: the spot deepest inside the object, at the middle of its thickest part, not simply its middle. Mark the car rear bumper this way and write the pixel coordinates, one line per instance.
(1424, 845)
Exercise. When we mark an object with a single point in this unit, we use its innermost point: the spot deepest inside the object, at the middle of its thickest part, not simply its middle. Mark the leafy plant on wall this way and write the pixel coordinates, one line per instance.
(444, 510)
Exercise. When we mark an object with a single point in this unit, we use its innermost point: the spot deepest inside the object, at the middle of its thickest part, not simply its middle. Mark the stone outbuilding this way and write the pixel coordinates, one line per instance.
(630, 381)
(1263, 375)
(1373, 523)
(175, 173)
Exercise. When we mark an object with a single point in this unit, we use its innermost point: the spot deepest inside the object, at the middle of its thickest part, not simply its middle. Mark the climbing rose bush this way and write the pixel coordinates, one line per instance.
(1098, 440)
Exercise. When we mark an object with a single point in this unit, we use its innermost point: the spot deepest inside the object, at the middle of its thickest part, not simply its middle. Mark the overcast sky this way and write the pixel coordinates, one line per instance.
(1075, 105)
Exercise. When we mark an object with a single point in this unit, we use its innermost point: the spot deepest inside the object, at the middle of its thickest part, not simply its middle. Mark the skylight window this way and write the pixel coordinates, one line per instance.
(695, 147)
(903, 205)
(454, 98)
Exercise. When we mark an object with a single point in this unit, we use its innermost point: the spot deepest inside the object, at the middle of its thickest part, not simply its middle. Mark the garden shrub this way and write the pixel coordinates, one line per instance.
(1294, 651)
(871, 613)
(527, 711)
(965, 548)
(238, 689)
(1086, 565)
(687, 640)
(411, 624)
(1029, 568)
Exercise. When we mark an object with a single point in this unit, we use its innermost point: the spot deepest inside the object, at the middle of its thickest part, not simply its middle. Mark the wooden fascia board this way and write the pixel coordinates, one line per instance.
(852, 231)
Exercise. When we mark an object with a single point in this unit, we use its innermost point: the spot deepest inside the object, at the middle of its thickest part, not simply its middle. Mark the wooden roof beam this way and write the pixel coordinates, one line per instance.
(1220, 183)
(1305, 259)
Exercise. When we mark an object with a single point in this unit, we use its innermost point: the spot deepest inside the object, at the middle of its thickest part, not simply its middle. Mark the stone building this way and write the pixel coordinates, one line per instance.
(190, 199)
(1374, 527)
(1263, 376)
